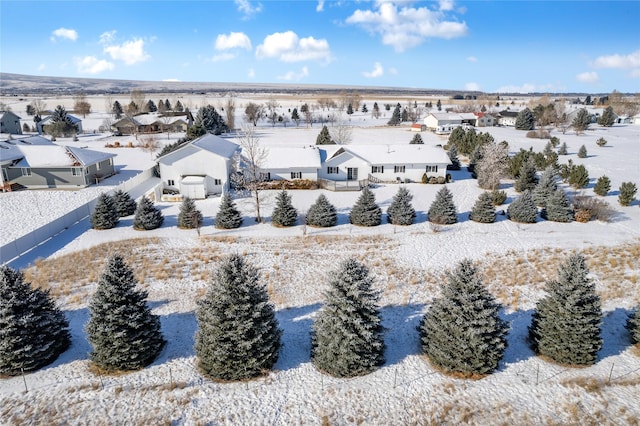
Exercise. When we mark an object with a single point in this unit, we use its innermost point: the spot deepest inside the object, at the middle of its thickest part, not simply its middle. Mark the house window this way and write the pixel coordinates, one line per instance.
(217, 182)
(76, 171)
(332, 170)
(171, 182)
(432, 169)
(26, 171)
(377, 169)
(296, 175)
(398, 169)
(265, 176)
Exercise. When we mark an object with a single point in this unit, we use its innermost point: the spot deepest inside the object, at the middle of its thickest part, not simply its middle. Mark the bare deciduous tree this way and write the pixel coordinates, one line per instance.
(249, 173)
(230, 112)
(492, 166)
(341, 132)
(149, 144)
(253, 112)
(81, 105)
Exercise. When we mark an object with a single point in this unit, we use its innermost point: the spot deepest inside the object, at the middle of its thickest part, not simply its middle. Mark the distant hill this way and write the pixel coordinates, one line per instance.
(19, 84)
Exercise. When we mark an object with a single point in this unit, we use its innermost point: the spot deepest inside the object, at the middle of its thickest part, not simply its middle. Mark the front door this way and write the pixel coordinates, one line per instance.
(352, 173)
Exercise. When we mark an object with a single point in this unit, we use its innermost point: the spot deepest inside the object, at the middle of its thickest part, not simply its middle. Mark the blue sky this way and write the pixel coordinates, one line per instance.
(493, 46)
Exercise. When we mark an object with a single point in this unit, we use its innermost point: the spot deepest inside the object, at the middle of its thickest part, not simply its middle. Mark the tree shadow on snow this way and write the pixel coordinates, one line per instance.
(296, 324)
(517, 337)
(178, 329)
(615, 337)
(401, 336)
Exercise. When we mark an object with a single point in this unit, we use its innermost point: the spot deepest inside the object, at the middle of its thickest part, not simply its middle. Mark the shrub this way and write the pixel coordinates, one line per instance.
(483, 210)
(539, 134)
(365, 211)
(554, 141)
(527, 178)
(462, 332)
(347, 336)
(601, 142)
(322, 213)
(588, 208)
(238, 335)
(105, 215)
(499, 197)
(578, 176)
(284, 214)
(627, 193)
(563, 149)
(557, 207)
(566, 323)
(523, 209)
(123, 332)
(33, 330)
(603, 185)
(189, 216)
(442, 210)
(400, 211)
(546, 187)
(582, 152)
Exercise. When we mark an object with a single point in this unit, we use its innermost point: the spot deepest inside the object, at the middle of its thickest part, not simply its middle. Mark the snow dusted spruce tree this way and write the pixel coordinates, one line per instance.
(189, 216)
(525, 120)
(238, 336)
(125, 205)
(105, 215)
(324, 138)
(545, 187)
(566, 323)
(523, 209)
(442, 210)
(33, 331)
(462, 332)
(453, 157)
(400, 211)
(347, 337)
(284, 214)
(558, 209)
(228, 216)
(527, 179)
(633, 325)
(365, 211)
(123, 332)
(483, 210)
(147, 216)
(322, 214)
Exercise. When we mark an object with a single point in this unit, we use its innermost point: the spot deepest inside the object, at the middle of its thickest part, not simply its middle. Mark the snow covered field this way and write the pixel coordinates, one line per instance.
(407, 263)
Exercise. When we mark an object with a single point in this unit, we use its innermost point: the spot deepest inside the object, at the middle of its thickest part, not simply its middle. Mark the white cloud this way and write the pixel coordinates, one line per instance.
(529, 88)
(588, 77)
(295, 76)
(446, 5)
(247, 8)
(232, 41)
(406, 27)
(378, 71)
(474, 87)
(171, 79)
(130, 52)
(320, 6)
(107, 37)
(472, 59)
(67, 33)
(92, 65)
(631, 60)
(42, 67)
(288, 47)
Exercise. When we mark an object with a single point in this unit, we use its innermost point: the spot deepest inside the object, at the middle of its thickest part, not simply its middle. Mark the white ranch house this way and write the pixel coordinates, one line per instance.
(290, 163)
(199, 168)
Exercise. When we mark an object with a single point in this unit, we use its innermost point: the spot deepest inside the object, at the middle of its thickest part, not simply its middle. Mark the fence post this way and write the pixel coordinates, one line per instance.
(24, 379)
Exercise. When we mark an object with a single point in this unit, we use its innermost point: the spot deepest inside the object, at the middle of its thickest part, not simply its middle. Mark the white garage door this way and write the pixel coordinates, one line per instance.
(193, 187)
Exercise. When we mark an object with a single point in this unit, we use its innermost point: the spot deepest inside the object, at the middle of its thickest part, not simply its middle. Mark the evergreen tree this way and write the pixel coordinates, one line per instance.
(147, 216)
(349, 109)
(33, 331)
(178, 107)
(439, 105)
(563, 149)
(581, 121)
(603, 185)
(365, 211)
(405, 115)
(453, 157)
(347, 336)
(117, 110)
(578, 176)
(462, 332)
(557, 207)
(545, 187)
(324, 138)
(633, 325)
(284, 214)
(456, 138)
(125, 205)
(189, 216)
(123, 332)
(151, 106)
(527, 178)
(523, 209)
(607, 118)
(210, 120)
(442, 210)
(400, 211)
(238, 336)
(322, 213)
(627, 193)
(525, 120)
(167, 105)
(228, 216)
(417, 140)
(295, 116)
(105, 215)
(483, 210)
(566, 323)
(582, 152)
(396, 117)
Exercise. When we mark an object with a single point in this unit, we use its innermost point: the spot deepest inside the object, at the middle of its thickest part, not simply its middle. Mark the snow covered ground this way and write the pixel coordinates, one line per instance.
(407, 263)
